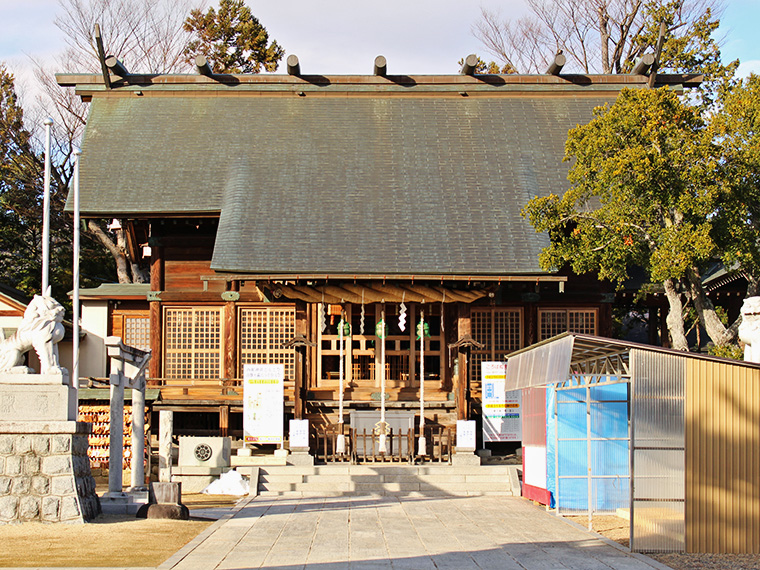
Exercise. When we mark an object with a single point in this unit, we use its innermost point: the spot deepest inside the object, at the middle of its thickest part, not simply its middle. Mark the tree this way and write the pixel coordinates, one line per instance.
(148, 36)
(232, 39)
(608, 36)
(21, 190)
(643, 188)
(736, 129)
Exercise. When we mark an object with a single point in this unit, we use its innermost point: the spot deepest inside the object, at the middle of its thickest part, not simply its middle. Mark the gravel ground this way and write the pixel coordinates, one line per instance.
(616, 528)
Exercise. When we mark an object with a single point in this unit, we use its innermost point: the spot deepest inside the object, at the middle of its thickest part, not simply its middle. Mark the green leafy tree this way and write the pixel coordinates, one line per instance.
(643, 187)
(232, 39)
(736, 129)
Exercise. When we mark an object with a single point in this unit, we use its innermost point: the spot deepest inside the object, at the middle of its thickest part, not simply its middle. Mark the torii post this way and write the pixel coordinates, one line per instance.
(135, 361)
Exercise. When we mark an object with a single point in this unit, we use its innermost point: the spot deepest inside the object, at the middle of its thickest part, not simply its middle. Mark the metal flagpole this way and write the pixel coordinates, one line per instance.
(383, 448)
(75, 300)
(46, 212)
(341, 443)
(422, 449)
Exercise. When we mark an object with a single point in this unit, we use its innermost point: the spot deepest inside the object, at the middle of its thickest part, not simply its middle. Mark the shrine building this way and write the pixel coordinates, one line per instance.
(274, 207)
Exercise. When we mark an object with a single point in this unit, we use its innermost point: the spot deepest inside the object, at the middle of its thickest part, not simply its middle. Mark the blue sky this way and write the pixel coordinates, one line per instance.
(344, 36)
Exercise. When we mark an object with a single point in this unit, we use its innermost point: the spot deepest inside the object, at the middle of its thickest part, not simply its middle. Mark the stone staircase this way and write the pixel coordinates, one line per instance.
(393, 480)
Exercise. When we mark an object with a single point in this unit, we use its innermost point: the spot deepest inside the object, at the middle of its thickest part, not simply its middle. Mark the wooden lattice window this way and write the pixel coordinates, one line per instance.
(500, 330)
(263, 331)
(193, 342)
(137, 332)
(556, 321)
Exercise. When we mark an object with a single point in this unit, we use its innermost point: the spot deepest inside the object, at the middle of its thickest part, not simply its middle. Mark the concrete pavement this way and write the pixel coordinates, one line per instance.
(408, 532)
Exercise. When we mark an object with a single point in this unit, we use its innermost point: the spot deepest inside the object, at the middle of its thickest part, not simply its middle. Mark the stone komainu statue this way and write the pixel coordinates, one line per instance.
(749, 329)
(41, 329)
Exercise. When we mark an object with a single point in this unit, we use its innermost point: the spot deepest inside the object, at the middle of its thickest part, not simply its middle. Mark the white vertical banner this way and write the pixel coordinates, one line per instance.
(501, 409)
(263, 403)
(299, 434)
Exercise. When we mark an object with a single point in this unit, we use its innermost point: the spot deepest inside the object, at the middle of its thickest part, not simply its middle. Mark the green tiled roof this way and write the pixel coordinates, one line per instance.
(314, 184)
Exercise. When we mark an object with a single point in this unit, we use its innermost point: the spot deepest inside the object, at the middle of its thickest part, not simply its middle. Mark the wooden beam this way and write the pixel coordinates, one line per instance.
(470, 62)
(102, 57)
(201, 64)
(294, 67)
(381, 66)
(116, 67)
(643, 64)
(555, 67)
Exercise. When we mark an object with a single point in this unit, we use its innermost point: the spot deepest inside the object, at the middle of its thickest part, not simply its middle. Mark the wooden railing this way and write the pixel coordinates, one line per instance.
(401, 445)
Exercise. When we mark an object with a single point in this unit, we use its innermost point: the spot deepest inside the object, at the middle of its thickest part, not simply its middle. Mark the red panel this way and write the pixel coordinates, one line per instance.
(536, 494)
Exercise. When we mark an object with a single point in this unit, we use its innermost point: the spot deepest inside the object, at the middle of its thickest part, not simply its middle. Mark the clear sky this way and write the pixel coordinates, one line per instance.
(344, 36)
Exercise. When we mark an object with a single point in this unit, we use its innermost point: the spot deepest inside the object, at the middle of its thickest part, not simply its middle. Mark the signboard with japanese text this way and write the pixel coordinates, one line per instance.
(299, 434)
(263, 403)
(501, 409)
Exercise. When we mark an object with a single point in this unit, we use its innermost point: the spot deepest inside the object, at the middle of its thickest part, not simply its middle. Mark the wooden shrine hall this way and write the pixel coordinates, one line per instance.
(283, 216)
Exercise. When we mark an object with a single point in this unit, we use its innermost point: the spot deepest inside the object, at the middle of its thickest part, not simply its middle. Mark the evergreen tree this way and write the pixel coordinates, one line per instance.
(232, 39)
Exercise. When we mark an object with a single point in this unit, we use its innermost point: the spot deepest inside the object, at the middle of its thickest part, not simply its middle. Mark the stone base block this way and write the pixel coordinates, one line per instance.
(194, 483)
(45, 473)
(301, 458)
(37, 401)
(165, 503)
(465, 459)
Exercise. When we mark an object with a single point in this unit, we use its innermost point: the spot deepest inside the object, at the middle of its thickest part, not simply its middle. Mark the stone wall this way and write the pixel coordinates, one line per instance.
(45, 473)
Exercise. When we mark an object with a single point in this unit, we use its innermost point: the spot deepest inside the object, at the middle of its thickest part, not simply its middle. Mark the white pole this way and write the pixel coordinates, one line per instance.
(422, 443)
(46, 211)
(383, 448)
(341, 443)
(75, 300)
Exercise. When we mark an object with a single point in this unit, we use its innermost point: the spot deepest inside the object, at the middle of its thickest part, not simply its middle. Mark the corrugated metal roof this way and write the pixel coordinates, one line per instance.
(551, 361)
(370, 184)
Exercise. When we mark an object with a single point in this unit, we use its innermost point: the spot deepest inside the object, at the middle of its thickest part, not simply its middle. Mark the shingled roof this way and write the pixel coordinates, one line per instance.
(376, 177)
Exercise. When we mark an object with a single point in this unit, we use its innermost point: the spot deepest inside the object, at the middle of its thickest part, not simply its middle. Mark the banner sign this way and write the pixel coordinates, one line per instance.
(263, 403)
(501, 409)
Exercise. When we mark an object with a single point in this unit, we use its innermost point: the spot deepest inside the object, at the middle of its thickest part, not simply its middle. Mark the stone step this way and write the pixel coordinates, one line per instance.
(330, 480)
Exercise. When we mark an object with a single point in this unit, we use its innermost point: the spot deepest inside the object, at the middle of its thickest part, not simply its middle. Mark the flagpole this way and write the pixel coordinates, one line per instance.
(46, 212)
(75, 300)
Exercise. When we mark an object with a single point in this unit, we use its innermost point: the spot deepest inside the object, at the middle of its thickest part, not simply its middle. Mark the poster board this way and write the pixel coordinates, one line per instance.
(263, 403)
(501, 409)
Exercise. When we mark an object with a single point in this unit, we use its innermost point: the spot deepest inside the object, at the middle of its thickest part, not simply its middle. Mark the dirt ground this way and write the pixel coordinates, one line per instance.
(109, 540)
(617, 529)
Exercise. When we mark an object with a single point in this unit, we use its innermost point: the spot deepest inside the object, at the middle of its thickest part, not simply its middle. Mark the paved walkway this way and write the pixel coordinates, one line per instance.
(398, 533)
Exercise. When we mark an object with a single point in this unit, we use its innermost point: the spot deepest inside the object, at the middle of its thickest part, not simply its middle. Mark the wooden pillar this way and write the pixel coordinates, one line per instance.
(461, 392)
(298, 392)
(462, 383)
(156, 327)
(224, 420)
(230, 335)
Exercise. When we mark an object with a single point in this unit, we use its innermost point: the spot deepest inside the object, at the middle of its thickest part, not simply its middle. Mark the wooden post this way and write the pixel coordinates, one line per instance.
(156, 327)
(230, 340)
(297, 397)
(224, 420)
(464, 328)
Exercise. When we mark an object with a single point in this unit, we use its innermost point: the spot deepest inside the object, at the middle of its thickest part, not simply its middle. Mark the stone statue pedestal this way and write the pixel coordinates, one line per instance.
(44, 470)
(37, 397)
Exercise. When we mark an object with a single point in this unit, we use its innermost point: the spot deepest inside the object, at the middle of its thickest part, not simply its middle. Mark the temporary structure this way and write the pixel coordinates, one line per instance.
(693, 429)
